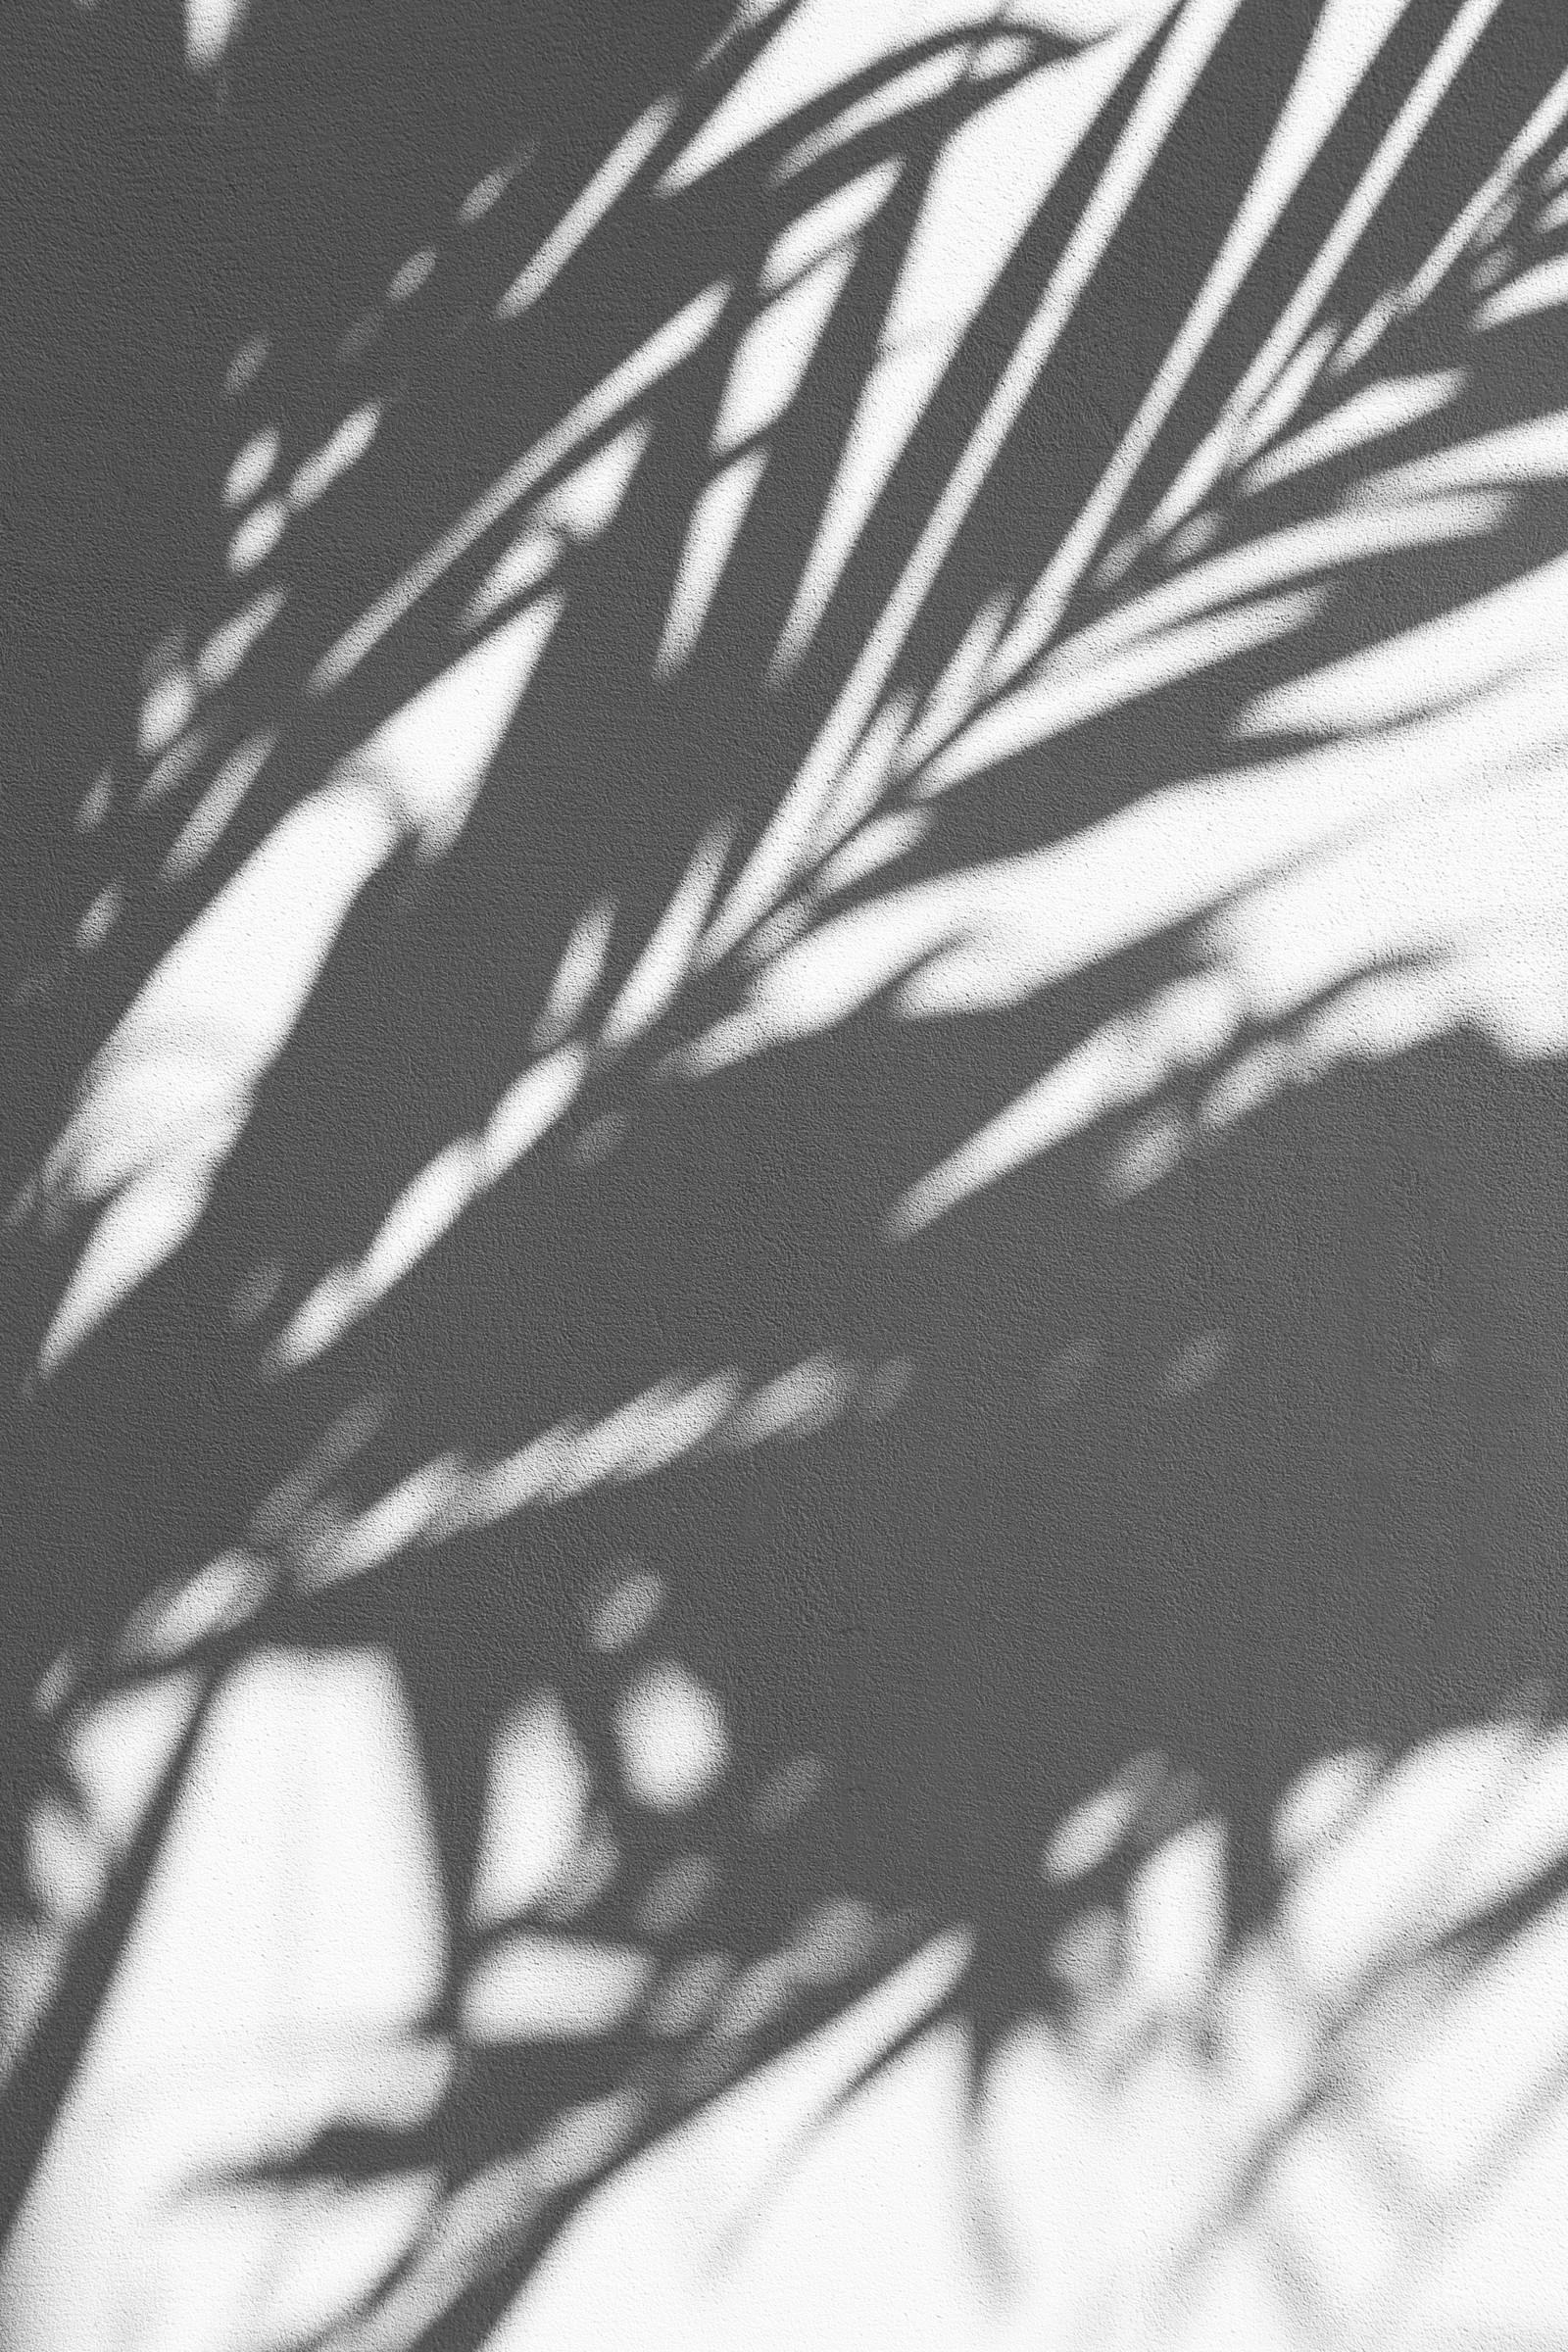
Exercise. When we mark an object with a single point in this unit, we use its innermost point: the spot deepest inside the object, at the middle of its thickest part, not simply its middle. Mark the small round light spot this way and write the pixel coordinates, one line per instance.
(670, 1732)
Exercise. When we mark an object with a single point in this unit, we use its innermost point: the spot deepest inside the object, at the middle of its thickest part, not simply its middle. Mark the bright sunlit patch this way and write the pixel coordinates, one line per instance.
(535, 1811)
(1381, 410)
(247, 364)
(1543, 288)
(529, 1989)
(251, 468)
(827, 225)
(96, 803)
(776, 352)
(414, 272)
(716, 522)
(257, 536)
(673, 1743)
(168, 706)
(210, 28)
(226, 648)
(578, 974)
(100, 919)
(530, 558)
(652, 985)
(343, 448)
(585, 502)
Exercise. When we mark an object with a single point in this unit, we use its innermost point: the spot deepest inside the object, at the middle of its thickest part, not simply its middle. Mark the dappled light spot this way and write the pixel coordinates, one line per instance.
(357, 342)
(226, 648)
(100, 919)
(600, 1140)
(624, 1611)
(257, 536)
(759, 1997)
(534, 1474)
(1196, 1364)
(255, 1293)
(320, 1318)
(180, 1617)
(386, 1530)
(797, 1404)
(344, 448)
(528, 1109)
(251, 466)
(671, 1738)
(483, 197)
(96, 803)
(181, 759)
(428, 1207)
(836, 1940)
(667, 1421)
(412, 274)
(211, 27)
(208, 821)
(535, 1810)
(530, 1989)
(168, 706)
(1092, 1830)
(247, 364)
(1067, 1371)
(787, 1793)
(886, 1386)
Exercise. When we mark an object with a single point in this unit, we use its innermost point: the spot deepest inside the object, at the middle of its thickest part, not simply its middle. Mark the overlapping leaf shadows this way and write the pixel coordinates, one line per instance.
(825, 1422)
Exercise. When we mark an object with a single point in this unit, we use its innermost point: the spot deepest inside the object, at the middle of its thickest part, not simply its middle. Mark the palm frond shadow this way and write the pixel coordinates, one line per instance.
(1129, 1468)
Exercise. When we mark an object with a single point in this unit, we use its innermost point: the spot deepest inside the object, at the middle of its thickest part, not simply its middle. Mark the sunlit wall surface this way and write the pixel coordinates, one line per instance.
(787, 1432)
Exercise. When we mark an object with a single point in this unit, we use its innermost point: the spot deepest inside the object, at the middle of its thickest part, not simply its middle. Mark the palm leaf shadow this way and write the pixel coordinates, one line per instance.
(971, 1523)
